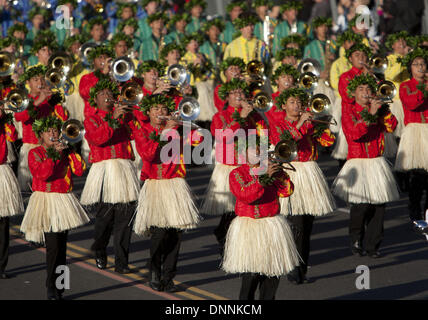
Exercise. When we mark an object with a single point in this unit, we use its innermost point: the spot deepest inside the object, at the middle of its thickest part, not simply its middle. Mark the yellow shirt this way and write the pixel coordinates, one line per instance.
(190, 57)
(338, 67)
(395, 72)
(245, 49)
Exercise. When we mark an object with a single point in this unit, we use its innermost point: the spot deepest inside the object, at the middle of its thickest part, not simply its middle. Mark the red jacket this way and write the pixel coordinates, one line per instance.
(150, 152)
(365, 140)
(414, 104)
(223, 120)
(104, 141)
(344, 80)
(306, 141)
(7, 133)
(219, 104)
(254, 200)
(54, 175)
(275, 112)
(44, 110)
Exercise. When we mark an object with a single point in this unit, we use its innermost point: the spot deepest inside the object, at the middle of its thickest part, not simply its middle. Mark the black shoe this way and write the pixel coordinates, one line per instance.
(4, 275)
(54, 295)
(122, 270)
(101, 263)
(170, 287)
(375, 255)
(357, 249)
(294, 276)
(155, 282)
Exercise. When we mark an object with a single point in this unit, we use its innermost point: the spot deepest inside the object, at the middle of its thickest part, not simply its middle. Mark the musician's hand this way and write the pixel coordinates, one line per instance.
(303, 118)
(106, 66)
(162, 86)
(1, 109)
(170, 124)
(119, 110)
(375, 104)
(45, 93)
(273, 168)
(59, 147)
(246, 109)
(187, 90)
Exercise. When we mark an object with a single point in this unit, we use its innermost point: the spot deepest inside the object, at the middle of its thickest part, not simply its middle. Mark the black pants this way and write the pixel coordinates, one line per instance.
(221, 231)
(267, 286)
(302, 228)
(418, 183)
(4, 243)
(164, 249)
(366, 225)
(114, 218)
(56, 250)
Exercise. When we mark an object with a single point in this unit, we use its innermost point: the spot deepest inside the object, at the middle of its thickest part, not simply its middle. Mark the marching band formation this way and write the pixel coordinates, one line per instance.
(101, 93)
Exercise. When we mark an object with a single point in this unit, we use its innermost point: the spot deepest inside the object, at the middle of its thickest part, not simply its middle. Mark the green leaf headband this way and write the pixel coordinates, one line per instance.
(234, 84)
(101, 85)
(292, 92)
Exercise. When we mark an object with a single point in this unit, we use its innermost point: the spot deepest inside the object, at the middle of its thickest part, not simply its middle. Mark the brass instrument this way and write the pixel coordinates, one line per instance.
(327, 62)
(188, 110)
(262, 102)
(17, 100)
(58, 81)
(122, 69)
(378, 63)
(320, 106)
(386, 91)
(72, 131)
(7, 63)
(177, 75)
(285, 151)
(309, 65)
(308, 81)
(131, 95)
(84, 52)
(99, 8)
(62, 61)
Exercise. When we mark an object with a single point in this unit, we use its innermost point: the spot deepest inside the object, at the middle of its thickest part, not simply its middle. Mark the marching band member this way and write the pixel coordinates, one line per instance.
(61, 34)
(112, 183)
(165, 205)
(412, 156)
(309, 200)
(366, 181)
(231, 68)
(38, 17)
(234, 9)
(285, 77)
(121, 44)
(19, 32)
(397, 73)
(144, 28)
(177, 24)
(125, 12)
(152, 45)
(341, 65)
(290, 25)
(259, 243)
(261, 8)
(42, 104)
(53, 209)
(42, 50)
(236, 114)
(97, 29)
(130, 27)
(289, 56)
(10, 196)
(196, 9)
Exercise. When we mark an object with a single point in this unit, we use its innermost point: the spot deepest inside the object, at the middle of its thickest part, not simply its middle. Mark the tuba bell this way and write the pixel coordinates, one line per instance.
(122, 69)
(308, 81)
(72, 131)
(17, 100)
(386, 91)
(309, 65)
(7, 63)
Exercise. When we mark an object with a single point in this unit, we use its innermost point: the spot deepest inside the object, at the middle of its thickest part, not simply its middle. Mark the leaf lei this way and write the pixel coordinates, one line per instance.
(368, 117)
(285, 135)
(319, 129)
(421, 87)
(237, 117)
(266, 180)
(33, 113)
(53, 154)
(112, 123)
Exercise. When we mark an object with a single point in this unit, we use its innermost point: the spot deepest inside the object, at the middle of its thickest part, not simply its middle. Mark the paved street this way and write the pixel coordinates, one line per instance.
(401, 274)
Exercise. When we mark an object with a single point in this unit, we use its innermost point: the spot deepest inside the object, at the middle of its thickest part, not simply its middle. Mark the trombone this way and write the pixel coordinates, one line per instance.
(177, 75)
(255, 70)
(308, 81)
(58, 81)
(62, 61)
(285, 151)
(131, 94)
(386, 91)
(262, 101)
(72, 131)
(188, 110)
(16, 101)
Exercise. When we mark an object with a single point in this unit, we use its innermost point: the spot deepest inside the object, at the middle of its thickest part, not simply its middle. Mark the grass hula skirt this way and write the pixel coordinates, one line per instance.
(311, 193)
(25, 178)
(165, 203)
(10, 195)
(219, 199)
(111, 181)
(206, 100)
(264, 246)
(412, 151)
(366, 181)
(51, 212)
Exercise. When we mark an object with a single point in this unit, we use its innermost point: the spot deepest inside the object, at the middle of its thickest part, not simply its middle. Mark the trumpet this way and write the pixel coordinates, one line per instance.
(386, 91)
(16, 101)
(72, 131)
(308, 81)
(320, 106)
(177, 75)
(122, 69)
(84, 52)
(7, 63)
(188, 110)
